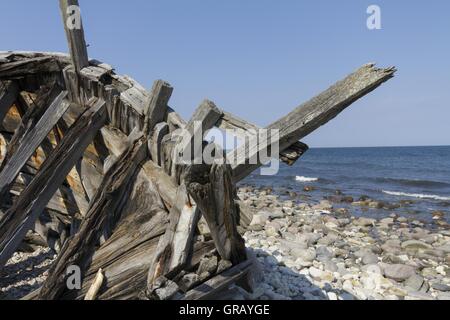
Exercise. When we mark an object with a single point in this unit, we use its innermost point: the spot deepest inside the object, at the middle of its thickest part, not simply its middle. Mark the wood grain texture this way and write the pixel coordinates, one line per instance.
(35, 127)
(21, 217)
(104, 212)
(215, 197)
(75, 36)
(156, 108)
(26, 67)
(176, 244)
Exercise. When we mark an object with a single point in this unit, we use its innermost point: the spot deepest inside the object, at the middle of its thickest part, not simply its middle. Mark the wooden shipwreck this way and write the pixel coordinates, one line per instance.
(88, 164)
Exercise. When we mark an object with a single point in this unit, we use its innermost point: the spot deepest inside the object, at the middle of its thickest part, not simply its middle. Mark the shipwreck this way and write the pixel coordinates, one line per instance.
(88, 168)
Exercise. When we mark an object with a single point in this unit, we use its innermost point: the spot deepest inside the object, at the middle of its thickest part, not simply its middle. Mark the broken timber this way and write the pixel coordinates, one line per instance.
(124, 173)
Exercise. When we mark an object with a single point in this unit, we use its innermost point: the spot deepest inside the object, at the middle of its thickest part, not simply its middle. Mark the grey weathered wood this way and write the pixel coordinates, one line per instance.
(156, 108)
(215, 196)
(190, 146)
(9, 91)
(220, 282)
(28, 138)
(313, 114)
(21, 217)
(175, 246)
(174, 120)
(166, 187)
(159, 131)
(95, 73)
(104, 212)
(75, 37)
(245, 130)
(26, 67)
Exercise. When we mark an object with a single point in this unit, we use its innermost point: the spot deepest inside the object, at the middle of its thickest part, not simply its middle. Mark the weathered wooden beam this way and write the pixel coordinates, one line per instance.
(70, 11)
(245, 130)
(36, 125)
(156, 108)
(9, 91)
(220, 282)
(190, 145)
(312, 114)
(33, 66)
(160, 130)
(104, 211)
(175, 245)
(215, 196)
(21, 216)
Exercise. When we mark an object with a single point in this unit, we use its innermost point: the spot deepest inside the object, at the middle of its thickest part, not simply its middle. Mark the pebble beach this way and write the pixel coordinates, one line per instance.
(321, 252)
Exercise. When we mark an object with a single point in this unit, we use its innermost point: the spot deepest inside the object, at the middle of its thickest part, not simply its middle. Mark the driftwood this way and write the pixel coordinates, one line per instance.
(112, 178)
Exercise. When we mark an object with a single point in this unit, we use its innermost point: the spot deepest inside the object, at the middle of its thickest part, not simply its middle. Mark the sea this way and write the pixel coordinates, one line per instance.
(393, 175)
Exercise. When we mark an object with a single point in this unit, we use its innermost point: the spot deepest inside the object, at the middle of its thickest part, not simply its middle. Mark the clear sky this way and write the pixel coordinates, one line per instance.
(261, 58)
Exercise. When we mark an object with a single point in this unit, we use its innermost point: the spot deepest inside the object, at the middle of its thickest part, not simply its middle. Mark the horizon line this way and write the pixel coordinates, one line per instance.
(404, 146)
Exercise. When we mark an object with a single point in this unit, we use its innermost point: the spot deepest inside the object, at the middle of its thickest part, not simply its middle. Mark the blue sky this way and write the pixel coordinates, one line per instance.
(259, 59)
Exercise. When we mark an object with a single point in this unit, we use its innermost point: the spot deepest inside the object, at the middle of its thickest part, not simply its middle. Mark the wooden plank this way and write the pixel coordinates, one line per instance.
(104, 211)
(175, 245)
(156, 108)
(215, 196)
(27, 67)
(75, 36)
(9, 90)
(35, 127)
(245, 130)
(160, 130)
(220, 282)
(312, 114)
(21, 217)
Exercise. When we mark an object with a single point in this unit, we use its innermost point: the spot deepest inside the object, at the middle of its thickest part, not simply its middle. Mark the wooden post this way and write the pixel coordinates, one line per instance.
(156, 108)
(175, 245)
(29, 136)
(21, 217)
(70, 11)
(215, 198)
(313, 114)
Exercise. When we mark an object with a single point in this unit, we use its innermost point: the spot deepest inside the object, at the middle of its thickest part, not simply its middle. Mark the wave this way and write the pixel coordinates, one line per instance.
(305, 179)
(417, 195)
(414, 183)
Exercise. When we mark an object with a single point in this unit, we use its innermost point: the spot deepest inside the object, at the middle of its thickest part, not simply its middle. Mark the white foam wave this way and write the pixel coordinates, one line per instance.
(305, 179)
(417, 195)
